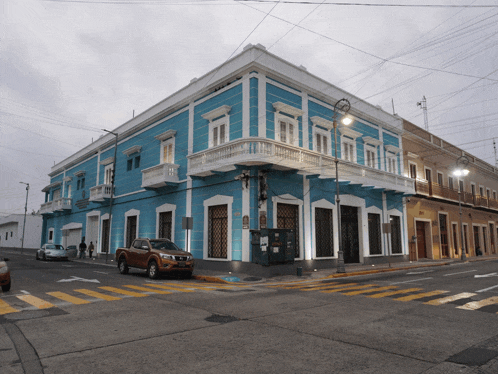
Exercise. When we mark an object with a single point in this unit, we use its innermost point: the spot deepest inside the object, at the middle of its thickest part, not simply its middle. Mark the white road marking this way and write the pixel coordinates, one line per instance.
(462, 272)
(414, 280)
(486, 275)
(73, 278)
(100, 272)
(487, 289)
(420, 272)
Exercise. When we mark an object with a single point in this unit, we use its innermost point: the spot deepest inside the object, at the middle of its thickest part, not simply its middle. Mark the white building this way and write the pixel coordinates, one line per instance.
(11, 228)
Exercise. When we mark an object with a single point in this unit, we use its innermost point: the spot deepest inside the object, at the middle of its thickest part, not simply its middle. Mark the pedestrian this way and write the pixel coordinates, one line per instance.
(90, 249)
(82, 248)
(478, 251)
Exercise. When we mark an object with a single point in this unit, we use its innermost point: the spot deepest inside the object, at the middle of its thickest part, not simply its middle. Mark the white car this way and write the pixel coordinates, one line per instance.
(51, 252)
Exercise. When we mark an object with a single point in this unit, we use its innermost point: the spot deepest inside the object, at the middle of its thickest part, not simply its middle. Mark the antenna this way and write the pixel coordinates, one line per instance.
(394, 112)
(423, 105)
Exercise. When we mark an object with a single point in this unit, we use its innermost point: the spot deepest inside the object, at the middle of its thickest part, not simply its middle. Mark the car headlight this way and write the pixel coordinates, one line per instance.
(190, 258)
(4, 269)
(167, 257)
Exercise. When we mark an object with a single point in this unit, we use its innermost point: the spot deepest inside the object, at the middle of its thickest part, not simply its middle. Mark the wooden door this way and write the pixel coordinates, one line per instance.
(421, 245)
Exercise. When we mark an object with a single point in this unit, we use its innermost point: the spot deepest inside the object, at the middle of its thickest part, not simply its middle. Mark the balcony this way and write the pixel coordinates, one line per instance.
(100, 192)
(260, 151)
(47, 208)
(63, 203)
(160, 176)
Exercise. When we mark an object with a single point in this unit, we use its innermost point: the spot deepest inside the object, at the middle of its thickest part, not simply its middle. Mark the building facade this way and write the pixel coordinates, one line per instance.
(249, 145)
(433, 212)
(11, 231)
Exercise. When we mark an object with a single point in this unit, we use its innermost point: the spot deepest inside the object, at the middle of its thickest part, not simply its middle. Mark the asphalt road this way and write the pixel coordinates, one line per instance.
(73, 317)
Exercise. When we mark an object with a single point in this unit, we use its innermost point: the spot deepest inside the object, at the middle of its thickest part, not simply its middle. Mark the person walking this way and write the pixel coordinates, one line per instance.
(90, 249)
(82, 248)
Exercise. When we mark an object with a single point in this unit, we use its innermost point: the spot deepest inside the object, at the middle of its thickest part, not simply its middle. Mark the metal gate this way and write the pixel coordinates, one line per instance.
(165, 224)
(349, 234)
(288, 218)
(131, 230)
(374, 235)
(105, 235)
(324, 232)
(217, 231)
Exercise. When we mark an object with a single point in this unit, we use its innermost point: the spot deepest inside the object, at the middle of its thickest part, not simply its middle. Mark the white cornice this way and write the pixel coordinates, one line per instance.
(349, 132)
(79, 173)
(329, 125)
(372, 141)
(392, 148)
(51, 185)
(67, 179)
(107, 161)
(218, 112)
(165, 135)
(289, 109)
(131, 150)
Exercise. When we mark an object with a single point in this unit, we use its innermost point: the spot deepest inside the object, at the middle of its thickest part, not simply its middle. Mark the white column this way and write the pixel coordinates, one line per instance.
(306, 141)
(246, 210)
(188, 203)
(405, 228)
(246, 105)
(261, 106)
(385, 237)
(307, 218)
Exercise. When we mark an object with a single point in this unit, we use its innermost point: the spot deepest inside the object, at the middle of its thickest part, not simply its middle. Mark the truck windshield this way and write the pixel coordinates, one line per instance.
(161, 244)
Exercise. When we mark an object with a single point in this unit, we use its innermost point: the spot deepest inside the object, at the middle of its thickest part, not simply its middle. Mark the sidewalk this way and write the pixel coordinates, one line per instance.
(351, 270)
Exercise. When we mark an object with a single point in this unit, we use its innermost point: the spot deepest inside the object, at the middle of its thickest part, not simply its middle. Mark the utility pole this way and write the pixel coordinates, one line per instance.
(423, 105)
(25, 210)
(112, 191)
(496, 159)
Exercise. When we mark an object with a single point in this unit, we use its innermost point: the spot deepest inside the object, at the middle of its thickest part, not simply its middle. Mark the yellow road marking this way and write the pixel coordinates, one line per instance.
(348, 288)
(449, 299)
(147, 289)
(390, 293)
(98, 295)
(329, 286)
(33, 300)
(303, 285)
(182, 286)
(123, 292)
(6, 308)
(69, 298)
(420, 295)
(169, 288)
(370, 290)
(479, 304)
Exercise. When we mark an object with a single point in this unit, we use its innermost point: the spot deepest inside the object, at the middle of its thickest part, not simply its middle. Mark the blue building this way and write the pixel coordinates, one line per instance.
(249, 145)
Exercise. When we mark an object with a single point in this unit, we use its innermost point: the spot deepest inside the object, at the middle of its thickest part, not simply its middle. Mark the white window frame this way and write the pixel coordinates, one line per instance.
(164, 209)
(323, 203)
(51, 230)
(370, 148)
(452, 184)
(391, 161)
(324, 134)
(216, 125)
(410, 164)
(289, 120)
(351, 143)
(438, 173)
(291, 200)
(218, 200)
(166, 143)
(69, 191)
(131, 213)
(108, 173)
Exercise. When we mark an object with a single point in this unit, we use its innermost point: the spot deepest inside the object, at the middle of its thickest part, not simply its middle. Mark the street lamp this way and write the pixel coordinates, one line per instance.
(25, 210)
(344, 106)
(112, 192)
(461, 171)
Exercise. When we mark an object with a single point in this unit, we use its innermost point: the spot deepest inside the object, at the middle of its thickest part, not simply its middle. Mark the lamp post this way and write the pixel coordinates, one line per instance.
(461, 171)
(25, 210)
(112, 192)
(344, 106)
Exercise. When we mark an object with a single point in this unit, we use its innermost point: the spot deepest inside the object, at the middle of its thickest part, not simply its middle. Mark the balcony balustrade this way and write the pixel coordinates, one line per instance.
(422, 187)
(100, 192)
(47, 208)
(63, 203)
(160, 175)
(260, 151)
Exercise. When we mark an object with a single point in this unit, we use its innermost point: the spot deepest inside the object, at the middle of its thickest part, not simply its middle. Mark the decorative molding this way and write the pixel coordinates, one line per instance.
(392, 149)
(165, 135)
(293, 111)
(80, 173)
(218, 112)
(51, 185)
(322, 122)
(67, 179)
(349, 132)
(412, 155)
(372, 141)
(107, 161)
(131, 150)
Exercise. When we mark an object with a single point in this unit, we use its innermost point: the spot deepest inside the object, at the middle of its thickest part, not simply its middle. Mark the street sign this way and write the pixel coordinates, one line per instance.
(187, 223)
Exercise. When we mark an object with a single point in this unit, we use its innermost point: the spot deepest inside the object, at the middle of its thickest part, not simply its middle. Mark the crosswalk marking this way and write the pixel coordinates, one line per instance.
(369, 290)
(183, 286)
(146, 289)
(305, 285)
(123, 292)
(391, 293)
(6, 308)
(170, 288)
(348, 288)
(329, 286)
(35, 301)
(420, 295)
(98, 295)
(69, 298)
(473, 305)
(449, 299)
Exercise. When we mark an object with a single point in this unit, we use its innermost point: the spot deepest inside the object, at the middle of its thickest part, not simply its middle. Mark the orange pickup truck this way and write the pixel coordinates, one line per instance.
(155, 255)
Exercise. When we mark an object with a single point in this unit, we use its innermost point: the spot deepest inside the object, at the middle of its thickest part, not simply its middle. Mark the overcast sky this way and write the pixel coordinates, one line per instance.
(69, 68)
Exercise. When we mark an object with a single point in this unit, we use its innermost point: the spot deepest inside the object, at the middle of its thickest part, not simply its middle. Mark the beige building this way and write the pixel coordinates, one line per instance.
(433, 217)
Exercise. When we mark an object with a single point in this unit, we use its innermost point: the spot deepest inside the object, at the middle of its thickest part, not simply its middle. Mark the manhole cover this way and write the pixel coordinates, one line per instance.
(27, 315)
(221, 319)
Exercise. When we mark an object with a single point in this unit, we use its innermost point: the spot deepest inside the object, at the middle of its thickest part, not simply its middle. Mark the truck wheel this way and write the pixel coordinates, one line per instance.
(123, 266)
(6, 287)
(152, 270)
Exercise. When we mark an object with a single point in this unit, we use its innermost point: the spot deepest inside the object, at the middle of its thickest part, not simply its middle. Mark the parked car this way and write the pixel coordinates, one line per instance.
(157, 256)
(51, 252)
(4, 275)
(72, 251)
